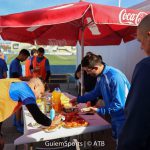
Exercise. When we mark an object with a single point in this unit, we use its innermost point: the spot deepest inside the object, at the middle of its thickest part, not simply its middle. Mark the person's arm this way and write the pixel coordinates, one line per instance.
(119, 91)
(48, 74)
(48, 71)
(91, 96)
(5, 69)
(136, 131)
(78, 72)
(38, 116)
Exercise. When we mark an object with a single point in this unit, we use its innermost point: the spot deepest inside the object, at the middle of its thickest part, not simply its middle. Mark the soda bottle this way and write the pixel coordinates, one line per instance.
(56, 100)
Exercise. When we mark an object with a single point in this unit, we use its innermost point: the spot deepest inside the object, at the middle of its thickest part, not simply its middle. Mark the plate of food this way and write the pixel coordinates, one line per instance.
(57, 123)
(75, 124)
(74, 121)
(87, 110)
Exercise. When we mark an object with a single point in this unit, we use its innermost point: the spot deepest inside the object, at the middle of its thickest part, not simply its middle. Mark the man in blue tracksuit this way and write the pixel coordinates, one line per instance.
(113, 85)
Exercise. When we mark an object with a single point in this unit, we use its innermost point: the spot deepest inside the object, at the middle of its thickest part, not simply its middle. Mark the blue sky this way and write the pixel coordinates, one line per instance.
(14, 6)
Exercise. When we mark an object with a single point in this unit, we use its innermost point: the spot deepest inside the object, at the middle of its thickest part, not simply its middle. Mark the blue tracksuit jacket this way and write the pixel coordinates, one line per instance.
(113, 85)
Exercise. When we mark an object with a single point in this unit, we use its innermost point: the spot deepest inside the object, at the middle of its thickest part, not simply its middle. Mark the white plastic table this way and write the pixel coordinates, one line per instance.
(36, 134)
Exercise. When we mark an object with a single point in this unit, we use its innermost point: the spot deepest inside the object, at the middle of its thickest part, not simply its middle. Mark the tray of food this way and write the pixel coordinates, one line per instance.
(57, 123)
(75, 124)
(73, 120)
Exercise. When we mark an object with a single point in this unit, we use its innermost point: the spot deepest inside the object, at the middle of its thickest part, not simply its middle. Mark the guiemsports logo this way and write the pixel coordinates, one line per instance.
(130, 18)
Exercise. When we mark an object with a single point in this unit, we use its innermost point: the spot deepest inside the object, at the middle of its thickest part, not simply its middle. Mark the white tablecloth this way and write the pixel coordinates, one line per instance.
(35, 134)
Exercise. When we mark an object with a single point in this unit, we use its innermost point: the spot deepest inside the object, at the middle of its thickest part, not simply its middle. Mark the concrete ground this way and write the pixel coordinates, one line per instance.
(10, 134)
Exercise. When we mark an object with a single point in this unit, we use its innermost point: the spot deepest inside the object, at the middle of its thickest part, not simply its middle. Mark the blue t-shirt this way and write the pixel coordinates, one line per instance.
(20, 91)
(15, 67)
(3, 67)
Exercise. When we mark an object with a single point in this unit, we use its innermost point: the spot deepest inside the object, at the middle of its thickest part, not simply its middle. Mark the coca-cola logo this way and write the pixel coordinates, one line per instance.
(130, 18)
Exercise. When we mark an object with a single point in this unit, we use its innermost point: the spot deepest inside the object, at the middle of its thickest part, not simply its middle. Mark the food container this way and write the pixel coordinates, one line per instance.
(48, 107)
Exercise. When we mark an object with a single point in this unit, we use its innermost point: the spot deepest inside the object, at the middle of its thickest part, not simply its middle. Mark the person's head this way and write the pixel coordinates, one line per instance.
(89, 53)
(37, 87)
(33, 52)
(92, 64)
(41, 52)
(143, 34)
(23, 55)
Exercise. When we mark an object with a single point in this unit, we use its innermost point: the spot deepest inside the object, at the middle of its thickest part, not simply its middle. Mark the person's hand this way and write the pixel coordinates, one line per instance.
(79, 74)
(94, 109)
(57, 120)
(74, 101)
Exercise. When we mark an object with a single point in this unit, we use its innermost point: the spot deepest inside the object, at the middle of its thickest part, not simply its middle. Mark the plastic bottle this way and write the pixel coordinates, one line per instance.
(56, 100)
(41, 104)
(52, 113)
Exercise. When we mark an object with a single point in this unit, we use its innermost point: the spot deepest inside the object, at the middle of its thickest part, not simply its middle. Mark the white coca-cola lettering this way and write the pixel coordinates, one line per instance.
(140, 16)
(130, 18)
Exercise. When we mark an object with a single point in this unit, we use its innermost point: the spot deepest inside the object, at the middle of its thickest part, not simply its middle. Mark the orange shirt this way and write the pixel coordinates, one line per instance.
(39, 68)
(28, 72)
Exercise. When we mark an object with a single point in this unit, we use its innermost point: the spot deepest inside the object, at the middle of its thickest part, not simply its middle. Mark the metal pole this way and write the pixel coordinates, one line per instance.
(82, 55)
(119, 3)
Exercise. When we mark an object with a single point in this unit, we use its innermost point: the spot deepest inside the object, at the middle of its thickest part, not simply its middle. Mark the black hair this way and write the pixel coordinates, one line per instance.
(24, 52)
(41, 50)
(89, 53)
(33, 51)
(91, 60)
(144, 25)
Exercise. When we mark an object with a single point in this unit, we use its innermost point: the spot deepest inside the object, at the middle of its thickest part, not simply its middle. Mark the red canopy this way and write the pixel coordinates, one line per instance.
(69, 23)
